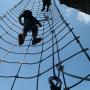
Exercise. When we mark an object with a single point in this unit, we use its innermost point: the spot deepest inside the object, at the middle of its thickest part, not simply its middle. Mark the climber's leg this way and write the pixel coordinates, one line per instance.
(34, 35)
(22, 36)
(44, 4)
(48, 5)
(34, 32)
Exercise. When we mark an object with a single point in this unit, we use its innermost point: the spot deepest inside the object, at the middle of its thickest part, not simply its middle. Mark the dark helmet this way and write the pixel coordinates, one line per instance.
(27, 12)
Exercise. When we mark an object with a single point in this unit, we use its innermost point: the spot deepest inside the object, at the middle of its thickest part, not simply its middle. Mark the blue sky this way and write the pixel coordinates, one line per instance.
(5, 5)
(81, 24)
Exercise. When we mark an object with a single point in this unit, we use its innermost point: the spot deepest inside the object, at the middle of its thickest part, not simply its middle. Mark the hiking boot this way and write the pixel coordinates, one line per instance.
(43, 9)
(21, 39)
(35, 41)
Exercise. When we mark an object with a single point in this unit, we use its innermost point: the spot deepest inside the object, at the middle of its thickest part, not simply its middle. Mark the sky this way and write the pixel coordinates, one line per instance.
(81, 24)
(4, 5)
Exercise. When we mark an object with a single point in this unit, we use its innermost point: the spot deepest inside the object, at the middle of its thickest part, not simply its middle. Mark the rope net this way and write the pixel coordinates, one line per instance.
(28, 67)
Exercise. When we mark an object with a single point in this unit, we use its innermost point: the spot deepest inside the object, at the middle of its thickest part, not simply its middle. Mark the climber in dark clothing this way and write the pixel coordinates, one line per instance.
(54, 86)
(46, 3)
(30, 24)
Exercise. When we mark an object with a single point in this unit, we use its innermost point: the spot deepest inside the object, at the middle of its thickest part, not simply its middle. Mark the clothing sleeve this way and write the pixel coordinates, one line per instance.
(20, 19)
(37, 22)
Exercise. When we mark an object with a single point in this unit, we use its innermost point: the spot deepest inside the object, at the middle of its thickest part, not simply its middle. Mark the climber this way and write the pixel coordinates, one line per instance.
(54, 87)
(46, 3)
(29, 24)
(58, 83)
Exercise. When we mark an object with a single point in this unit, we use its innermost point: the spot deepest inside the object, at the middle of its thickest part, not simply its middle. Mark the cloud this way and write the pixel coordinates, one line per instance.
(69, 11)
(82, 17)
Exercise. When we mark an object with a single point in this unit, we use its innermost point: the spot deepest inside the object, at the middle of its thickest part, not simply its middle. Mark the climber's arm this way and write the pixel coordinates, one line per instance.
(40, 25)
(37, 22)
(20, 21)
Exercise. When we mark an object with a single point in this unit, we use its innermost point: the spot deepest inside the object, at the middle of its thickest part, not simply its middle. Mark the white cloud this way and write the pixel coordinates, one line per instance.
(69, 11)
(82, 17)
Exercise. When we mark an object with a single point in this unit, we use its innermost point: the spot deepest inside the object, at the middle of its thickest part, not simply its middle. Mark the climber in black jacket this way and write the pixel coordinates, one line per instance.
(30, 23)
(46, 3)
